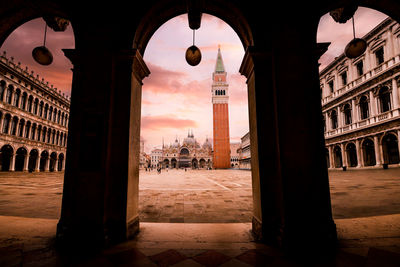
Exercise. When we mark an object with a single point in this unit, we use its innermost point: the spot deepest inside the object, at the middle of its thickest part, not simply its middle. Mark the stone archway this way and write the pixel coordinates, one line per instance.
(202, 163)
(60, 164)
(174, 163)
(337, 153)
(390, 149)
(195, 163)
(33, 160)
(351, 153)
(53, 162)
(44, 161)
(6, 155)
(368, 151)
(20, 158)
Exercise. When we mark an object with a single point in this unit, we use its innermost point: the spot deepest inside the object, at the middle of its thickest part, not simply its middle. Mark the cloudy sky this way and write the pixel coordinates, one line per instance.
(176, 96)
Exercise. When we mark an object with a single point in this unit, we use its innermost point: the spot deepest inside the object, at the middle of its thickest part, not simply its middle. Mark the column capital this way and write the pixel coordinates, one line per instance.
(251, 56)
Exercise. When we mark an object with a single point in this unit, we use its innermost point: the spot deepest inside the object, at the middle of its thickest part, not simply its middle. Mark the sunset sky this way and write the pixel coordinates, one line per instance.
(176, 96)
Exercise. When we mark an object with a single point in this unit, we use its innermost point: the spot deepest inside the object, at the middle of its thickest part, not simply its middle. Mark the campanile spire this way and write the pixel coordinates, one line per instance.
(220, 99)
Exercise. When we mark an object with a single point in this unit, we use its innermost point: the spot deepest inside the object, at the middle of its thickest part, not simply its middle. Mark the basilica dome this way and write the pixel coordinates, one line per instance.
(207, 144)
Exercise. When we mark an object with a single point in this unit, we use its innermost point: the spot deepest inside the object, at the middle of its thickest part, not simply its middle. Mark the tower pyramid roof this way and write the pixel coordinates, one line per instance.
(219, 65)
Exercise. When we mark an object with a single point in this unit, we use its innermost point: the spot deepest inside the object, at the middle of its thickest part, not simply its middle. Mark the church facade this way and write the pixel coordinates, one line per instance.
(188, 154)
(360, 103)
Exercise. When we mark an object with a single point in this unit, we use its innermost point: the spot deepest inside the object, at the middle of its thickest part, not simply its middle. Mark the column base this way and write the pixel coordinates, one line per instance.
(256, 227)
(132, 228)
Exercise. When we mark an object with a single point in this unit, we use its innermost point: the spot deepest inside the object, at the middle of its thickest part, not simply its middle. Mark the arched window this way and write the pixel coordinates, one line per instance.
(40, 114)
(62, 118)
(35, 106)
(39, 132)
(58, 116)
(9, 94)
(6, 123)
(14, 124)
(364, 109)
(334, 119)
(347, 114)
(384, 99)
(55, 115)
(53, 135)
(21, 127)
(33, 135)
(23, 100)
(66, 120)
(44, 134)
(50, 113)
(16, 97)
(46, 108)
(2, 88)
(48, 136)
(30, 100)
(27, 129)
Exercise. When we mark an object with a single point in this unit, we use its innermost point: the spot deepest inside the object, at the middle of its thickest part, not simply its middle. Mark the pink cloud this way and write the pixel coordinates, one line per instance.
(159, 122)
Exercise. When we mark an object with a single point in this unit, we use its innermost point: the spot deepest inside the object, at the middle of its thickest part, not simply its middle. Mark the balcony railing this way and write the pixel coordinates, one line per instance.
(364, 123)
(366, 76)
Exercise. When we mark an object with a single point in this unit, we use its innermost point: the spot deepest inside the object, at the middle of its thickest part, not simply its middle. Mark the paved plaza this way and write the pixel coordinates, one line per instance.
(199, 196)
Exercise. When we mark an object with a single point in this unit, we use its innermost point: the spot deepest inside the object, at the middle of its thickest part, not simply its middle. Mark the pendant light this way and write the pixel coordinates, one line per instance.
(41, 54)
(355, 47)
(193, 54)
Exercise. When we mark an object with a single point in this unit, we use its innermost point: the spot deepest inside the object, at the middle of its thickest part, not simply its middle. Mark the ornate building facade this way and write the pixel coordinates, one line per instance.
(220, 99)
(360, 102)
(188, 154)
(33, 121)
(244, 152)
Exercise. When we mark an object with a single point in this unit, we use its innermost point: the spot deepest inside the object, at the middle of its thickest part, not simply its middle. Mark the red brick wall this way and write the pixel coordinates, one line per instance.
(221, 158)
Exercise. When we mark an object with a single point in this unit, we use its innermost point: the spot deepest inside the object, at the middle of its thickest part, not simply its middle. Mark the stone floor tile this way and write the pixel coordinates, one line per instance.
(255, 257)
(191, 252)
(126, 257)
(235, 263)
(167, 258)
(187, 263)
(211, 258)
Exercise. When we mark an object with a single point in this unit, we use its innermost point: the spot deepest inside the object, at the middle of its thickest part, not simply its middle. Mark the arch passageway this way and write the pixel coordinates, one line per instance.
(289, 170)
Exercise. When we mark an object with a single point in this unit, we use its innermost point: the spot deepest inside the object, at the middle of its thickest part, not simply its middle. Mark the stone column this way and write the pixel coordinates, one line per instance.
(26, 161)
(1, 123)
(37, 163)
(331, 157)
(47, 164)
(339, 117)
(372, 103)
(360, 161)
(354, 108)
(377, 149)
(267, 222)
(395, 94)
(398, 140)
(344, 155)
(12, 162)
(103, 146)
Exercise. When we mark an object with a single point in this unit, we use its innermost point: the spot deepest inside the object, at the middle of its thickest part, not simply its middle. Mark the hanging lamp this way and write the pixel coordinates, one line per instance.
(355, 47)
(42, 54)
(193, 54)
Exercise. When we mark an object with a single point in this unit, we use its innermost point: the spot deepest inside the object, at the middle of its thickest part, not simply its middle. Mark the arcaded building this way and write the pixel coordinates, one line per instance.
(188, 154)
(33, 120)
(360, 102)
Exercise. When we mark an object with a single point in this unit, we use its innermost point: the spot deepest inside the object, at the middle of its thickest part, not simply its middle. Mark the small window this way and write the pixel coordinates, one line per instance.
(379, 55)
(331, 86)
(344, 78)
(360, 68)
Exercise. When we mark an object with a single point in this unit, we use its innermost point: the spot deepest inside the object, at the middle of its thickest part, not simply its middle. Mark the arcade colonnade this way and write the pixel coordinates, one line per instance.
(290, 186)
(371, 150)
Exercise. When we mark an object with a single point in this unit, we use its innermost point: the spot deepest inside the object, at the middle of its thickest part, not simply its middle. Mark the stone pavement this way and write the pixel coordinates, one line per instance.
(30, 242)
(200, 196)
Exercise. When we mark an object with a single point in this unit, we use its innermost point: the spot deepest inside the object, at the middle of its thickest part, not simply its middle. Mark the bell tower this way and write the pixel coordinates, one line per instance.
(220, 99)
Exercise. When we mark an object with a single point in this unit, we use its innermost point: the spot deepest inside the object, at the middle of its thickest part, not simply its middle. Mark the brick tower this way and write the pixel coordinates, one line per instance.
(220, 98)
